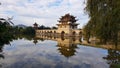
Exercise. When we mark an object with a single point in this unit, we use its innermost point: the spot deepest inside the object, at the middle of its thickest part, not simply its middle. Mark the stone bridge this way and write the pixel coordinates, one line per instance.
(56, 32)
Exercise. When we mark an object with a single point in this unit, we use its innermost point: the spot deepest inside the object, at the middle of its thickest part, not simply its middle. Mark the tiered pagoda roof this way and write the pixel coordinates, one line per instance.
(67, 18)
(35, 24)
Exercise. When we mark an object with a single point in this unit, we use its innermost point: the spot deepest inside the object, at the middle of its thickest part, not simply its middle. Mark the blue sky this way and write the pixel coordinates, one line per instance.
(44, 12)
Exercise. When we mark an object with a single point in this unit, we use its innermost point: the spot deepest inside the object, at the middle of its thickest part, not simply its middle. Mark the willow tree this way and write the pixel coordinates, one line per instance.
(104, 19)
(5, 31)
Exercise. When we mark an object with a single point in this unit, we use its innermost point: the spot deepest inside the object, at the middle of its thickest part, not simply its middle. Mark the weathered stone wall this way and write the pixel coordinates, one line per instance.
(65, 28)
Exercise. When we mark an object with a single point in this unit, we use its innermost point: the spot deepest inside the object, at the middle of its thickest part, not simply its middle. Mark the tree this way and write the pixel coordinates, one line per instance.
(54, 27)
(104, 19)
(29, 31)
(5, 31)
(43, 27)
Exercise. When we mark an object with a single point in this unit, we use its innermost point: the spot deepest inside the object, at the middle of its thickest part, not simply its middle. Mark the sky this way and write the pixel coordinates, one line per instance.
(43, 12)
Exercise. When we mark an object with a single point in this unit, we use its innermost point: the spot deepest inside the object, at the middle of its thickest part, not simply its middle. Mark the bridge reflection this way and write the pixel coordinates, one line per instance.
(67, 45)
(77, 40)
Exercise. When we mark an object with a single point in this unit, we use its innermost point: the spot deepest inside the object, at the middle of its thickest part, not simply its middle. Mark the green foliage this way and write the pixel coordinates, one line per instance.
(104, 19)
(54, 27)
(43, 27)
(25, 31)
(5, 32)
(113, 58)
(29, 31)
(8, 33)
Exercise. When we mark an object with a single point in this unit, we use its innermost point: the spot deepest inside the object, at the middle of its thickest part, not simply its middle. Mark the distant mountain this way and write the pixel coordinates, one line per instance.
(21, 25)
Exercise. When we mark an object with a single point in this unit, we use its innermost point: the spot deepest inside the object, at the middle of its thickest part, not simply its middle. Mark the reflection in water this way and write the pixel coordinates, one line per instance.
(67, 47)
(1, 52)
(35, 41)
(67, 50)
(113, 58)
(62, 38)
(1, 55)
(53, 52)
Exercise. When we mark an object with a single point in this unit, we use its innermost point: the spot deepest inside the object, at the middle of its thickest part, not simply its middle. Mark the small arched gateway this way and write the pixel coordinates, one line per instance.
(73, 33)
(80, 33)
(50, 31)
(62, 33)
(54, 31)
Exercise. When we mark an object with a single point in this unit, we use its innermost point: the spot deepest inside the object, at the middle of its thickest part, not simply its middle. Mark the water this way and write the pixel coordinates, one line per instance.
(57, 53)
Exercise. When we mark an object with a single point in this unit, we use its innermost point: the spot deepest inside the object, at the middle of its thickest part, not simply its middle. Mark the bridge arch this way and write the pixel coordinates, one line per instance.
(62, 33)
(47, 31)
(54, 31)
(73, 33)
(50, 31)
(80, 32)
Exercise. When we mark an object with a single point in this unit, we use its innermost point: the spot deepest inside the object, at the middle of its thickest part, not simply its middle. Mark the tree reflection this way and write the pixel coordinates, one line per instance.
(1, 54)
(113, 58)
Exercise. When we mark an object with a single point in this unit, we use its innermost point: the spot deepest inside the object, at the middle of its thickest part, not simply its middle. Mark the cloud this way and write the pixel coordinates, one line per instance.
(25, 53)
(45, 12)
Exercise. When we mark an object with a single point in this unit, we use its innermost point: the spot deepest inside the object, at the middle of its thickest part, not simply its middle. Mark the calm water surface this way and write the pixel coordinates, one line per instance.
(24, 53)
